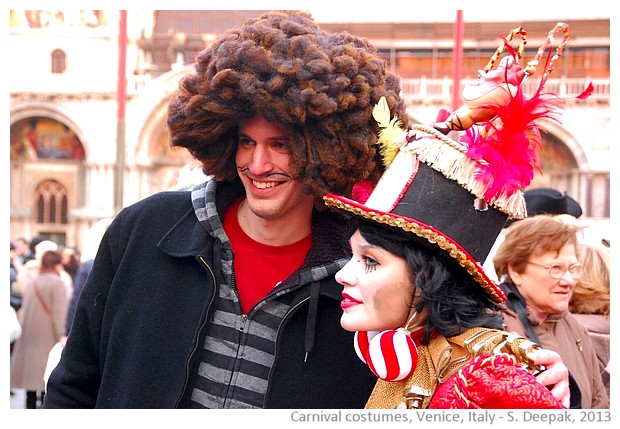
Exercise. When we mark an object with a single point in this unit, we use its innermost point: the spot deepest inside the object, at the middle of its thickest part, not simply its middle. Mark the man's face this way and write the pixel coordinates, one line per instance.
(21, 247)
(263, 163)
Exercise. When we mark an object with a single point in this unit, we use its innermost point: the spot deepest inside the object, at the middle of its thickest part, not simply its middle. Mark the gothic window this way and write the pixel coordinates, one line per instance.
(51, 203)
(59, 61)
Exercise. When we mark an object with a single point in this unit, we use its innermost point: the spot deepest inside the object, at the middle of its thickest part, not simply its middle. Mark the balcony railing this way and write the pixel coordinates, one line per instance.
(430, 91)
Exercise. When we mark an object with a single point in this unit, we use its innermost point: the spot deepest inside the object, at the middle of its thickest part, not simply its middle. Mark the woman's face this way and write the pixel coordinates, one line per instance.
(377, 288)
(542, 292)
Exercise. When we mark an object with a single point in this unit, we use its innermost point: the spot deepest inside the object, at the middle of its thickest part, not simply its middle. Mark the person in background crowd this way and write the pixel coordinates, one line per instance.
(70, 261)
(42, 319)
(15, 329)
(23, 251)
(31, 268)
(539, 268)
(13, 256)
(590, 301)
(538, 201)
(34, 243)
(16, 297)
(551, 201)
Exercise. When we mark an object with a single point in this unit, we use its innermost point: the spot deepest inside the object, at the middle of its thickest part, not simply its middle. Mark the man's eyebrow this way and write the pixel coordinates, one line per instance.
(284, 137)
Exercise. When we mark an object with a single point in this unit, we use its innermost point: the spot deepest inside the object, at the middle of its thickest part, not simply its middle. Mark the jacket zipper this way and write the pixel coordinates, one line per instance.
(243, 321)
(215, 291)
(275, 361)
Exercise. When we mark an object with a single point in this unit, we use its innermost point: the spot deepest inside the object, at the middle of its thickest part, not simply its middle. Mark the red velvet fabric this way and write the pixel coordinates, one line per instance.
(493, 382)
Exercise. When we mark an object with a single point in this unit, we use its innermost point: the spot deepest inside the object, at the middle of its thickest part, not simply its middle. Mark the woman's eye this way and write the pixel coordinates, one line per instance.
(370, 263)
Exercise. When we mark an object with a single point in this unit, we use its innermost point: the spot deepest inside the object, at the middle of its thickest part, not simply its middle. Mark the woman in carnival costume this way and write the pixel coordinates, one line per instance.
(425, 315)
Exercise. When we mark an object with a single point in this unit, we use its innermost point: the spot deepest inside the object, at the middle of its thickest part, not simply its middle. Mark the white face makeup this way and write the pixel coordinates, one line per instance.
(377, 288)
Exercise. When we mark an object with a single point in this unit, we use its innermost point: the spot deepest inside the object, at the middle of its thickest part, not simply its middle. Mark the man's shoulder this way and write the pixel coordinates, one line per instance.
(157, 212)
(163, 202)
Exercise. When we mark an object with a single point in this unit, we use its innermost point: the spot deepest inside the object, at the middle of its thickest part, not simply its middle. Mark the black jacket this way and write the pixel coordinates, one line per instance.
(139, 319)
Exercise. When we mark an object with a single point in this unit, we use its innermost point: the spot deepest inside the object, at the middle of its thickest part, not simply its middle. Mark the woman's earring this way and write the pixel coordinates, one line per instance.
(410, 326)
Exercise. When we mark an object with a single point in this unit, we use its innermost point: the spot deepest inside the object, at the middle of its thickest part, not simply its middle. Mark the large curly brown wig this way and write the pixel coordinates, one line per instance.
(321, 85)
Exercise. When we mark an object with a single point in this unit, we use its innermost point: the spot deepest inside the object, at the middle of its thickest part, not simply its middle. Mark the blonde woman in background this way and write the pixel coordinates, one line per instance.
(590, 302)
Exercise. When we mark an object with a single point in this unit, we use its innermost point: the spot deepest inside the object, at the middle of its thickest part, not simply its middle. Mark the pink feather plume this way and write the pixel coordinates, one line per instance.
(509, 144)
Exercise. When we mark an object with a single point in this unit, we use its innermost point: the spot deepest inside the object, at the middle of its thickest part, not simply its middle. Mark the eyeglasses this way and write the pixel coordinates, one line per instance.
(557, 271)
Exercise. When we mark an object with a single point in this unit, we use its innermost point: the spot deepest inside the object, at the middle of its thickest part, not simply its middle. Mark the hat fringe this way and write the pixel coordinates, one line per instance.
(450, 158)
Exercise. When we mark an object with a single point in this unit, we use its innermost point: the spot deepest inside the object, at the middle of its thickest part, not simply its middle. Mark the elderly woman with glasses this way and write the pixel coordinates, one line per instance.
(538, 267)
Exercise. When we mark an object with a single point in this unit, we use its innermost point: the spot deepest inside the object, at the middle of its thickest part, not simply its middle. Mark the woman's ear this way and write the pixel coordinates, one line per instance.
(513, 275)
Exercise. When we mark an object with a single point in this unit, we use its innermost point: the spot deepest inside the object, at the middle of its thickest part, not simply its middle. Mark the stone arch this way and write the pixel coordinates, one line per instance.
(152, 105)
(569, 140)
(27, 174)
(153, 144)
(44, 110)
(561, 158)
(152, 151)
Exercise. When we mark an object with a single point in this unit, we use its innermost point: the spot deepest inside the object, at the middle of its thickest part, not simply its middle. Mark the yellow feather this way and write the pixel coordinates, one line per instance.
(391, 134)
(381, 113)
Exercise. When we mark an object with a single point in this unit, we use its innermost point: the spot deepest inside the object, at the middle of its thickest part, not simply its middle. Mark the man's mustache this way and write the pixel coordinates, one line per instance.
(245, 171)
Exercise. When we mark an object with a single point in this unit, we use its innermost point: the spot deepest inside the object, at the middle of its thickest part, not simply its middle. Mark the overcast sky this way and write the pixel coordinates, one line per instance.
(369, 10)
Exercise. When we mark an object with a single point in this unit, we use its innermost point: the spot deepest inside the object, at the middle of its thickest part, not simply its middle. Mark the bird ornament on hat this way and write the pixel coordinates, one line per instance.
(456, 195)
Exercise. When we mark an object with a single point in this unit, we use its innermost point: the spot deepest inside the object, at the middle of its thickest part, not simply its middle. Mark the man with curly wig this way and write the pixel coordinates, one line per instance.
(224, 296)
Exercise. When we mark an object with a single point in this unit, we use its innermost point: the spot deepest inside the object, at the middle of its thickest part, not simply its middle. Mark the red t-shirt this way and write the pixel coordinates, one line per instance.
(259, 267)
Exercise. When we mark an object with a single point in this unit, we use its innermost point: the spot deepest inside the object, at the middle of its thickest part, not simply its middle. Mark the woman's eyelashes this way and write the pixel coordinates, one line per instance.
(370, 263)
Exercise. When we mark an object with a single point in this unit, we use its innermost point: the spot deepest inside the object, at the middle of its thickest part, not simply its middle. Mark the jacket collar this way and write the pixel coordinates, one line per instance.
(186, 238)
(511, 291)
(190, 237)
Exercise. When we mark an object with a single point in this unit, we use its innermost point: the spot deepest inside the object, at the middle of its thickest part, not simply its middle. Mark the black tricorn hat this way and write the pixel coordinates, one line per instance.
(550, 201)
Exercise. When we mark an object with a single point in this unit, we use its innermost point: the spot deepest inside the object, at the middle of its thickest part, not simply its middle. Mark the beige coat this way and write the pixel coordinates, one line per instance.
(568, 337)
(598, 328)
(40, 331)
